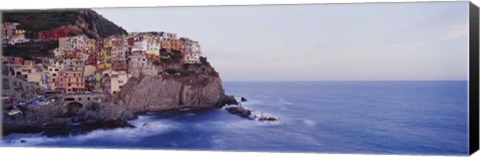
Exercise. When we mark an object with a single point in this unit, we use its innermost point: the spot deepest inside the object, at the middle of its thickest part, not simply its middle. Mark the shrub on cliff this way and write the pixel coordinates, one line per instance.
(204, 61)
(171, 71)
(30, 50)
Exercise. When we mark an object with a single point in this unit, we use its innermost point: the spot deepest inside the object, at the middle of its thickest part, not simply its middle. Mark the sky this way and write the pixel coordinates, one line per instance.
(375, 41)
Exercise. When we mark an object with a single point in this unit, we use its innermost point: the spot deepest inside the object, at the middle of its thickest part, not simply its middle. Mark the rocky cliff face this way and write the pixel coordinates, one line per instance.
(153, 93)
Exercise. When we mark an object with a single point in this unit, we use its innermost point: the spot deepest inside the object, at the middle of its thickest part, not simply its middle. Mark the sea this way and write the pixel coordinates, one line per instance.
(372, 117)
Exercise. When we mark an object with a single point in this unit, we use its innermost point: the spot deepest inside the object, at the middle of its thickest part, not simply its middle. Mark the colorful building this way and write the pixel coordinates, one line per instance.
(117, 80)
(12, 60)
(71, 80)
(53, 68)
(54, 33)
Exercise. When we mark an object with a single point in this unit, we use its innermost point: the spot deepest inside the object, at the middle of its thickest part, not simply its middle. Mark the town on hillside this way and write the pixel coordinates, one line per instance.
(83, 65)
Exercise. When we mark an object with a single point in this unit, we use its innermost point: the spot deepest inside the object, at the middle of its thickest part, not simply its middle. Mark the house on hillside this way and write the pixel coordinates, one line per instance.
(54, 33)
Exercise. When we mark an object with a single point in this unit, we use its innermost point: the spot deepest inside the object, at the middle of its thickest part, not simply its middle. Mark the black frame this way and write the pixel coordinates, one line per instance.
(474, 79)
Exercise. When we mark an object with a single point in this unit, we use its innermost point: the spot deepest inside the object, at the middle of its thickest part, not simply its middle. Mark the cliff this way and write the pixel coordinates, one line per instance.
(188, 88)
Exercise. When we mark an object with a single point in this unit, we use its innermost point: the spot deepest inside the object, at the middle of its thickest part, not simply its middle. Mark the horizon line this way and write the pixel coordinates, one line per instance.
(343, 80)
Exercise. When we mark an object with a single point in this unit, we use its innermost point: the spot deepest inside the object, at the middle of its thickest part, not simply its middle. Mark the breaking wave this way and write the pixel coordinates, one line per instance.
(144, 126)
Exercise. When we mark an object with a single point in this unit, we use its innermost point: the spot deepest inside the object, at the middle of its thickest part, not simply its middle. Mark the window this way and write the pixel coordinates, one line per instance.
(120, 81)
(54, 74)
(57, 69)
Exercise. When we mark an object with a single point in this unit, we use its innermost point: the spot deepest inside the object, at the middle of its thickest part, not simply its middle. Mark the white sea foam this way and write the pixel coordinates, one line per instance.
(309, 122)
(284, 102)
(144, 127)
(218, 143)
(190, 114)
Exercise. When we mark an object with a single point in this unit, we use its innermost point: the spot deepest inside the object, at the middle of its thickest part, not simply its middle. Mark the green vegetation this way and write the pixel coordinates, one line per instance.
(30, 50)
(41, 20)
(156, 63)
(171, 70)
(204, 61)
(105, 27)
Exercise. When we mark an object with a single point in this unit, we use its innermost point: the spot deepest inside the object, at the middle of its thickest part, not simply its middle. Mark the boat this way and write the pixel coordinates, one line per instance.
(14, 112)
(43, 103)
(8, 102)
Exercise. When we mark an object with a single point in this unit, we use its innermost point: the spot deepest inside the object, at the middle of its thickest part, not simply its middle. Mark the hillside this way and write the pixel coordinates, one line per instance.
(84, 21)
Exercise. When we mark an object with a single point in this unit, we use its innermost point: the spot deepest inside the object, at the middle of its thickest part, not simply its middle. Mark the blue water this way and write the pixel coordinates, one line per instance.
(424, 117)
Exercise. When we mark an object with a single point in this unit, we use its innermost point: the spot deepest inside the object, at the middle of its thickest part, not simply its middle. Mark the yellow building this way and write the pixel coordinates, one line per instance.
(105, 58)
(107, 42)
(178, 45)
(90, 45)
(19, 32)
(153, 52)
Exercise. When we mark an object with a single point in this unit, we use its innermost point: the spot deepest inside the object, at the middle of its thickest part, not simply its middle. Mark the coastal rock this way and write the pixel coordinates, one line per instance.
(268, 118)
(239, 110)
(243, 99)
(57, 120)
(249, 114)
(230, 100)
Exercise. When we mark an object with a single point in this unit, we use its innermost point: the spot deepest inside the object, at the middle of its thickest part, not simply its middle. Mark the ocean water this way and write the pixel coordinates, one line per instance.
(401, 117)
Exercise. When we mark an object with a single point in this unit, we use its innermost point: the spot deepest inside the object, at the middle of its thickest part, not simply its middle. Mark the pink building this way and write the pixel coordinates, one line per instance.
(119, 65)
(12, 60)
(71, 80)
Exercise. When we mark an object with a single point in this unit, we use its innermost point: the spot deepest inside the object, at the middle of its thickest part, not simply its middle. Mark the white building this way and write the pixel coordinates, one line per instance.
(153, 44)
(138, 63)
(192, 58)
(58, 53)
(141, 45)
(18, 39)
(194, 54)
(117, 80)
(72, 62)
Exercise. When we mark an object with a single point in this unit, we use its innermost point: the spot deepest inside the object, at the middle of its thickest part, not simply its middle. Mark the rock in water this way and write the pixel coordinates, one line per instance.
(267, 118)
(247, 113)
(243, 99)
(230, 100)
(239, 110)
